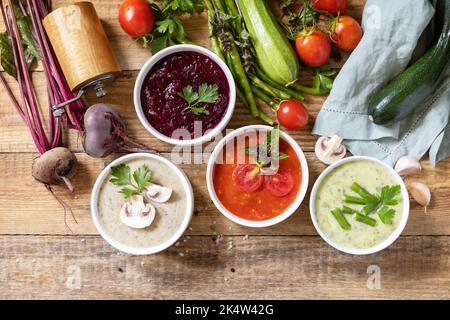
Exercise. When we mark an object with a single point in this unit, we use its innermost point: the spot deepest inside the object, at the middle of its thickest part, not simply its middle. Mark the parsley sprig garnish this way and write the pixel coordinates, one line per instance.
(132, 183)
(206, 94)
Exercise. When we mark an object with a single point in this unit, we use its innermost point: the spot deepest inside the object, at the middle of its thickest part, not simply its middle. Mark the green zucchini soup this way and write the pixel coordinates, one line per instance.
(359, 204)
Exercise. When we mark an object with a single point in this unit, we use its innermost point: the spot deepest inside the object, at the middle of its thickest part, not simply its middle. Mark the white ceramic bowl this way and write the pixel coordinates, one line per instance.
(155, 59)
(389, 240)
(250, 223)
(149, 250)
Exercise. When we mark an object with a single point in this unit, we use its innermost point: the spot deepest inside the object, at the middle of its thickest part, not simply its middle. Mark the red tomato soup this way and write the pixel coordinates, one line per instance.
(263, 201)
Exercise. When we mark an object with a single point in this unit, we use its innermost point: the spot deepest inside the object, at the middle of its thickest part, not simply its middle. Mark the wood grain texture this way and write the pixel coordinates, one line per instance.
(14, 136)
(198, 268)
(35, 211)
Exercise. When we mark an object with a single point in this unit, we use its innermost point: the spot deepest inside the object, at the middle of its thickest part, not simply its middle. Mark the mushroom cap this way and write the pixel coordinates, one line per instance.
(157, 193)
(137, 214)
(330, 150)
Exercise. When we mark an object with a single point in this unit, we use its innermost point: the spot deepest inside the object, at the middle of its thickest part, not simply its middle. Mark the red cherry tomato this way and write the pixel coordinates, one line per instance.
(332, 6)
(314, 49)
(247, 177)
(292, 115)
(136, 17)
(347, 33)
(279, 184)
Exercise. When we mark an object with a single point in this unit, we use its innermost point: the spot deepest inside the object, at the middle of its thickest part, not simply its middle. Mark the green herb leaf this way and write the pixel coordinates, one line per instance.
(142, 176)
(206, 94)
(386, 214)
(6, 55)
(389, 195)
(121, 175)
(184, 6)
(127, 192)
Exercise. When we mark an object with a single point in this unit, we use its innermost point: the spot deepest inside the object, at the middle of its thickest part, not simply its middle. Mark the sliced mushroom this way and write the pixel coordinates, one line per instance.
(137, 214)
(407, 165)
(330, 150)
(157, 193)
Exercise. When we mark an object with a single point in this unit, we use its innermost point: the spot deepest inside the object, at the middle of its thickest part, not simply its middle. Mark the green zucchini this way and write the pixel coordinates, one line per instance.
(403, 95)
(273, 50)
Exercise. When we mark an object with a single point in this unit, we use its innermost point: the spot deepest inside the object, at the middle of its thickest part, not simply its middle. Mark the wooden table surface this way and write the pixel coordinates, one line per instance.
(41, 258)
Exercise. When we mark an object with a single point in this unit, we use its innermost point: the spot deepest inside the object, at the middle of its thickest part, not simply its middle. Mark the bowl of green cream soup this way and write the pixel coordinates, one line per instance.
(359, 205)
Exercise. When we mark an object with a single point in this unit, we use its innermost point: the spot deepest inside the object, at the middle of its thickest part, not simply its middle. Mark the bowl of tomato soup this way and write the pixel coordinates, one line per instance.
(242, 183)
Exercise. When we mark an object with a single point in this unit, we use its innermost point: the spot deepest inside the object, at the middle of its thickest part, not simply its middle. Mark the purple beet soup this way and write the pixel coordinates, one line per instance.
(166, 110)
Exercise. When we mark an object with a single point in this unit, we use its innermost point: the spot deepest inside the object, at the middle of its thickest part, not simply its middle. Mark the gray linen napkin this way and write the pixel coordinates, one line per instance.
(391, 32)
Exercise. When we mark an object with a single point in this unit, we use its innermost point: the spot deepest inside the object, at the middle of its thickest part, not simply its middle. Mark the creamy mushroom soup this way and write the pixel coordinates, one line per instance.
(169, 215)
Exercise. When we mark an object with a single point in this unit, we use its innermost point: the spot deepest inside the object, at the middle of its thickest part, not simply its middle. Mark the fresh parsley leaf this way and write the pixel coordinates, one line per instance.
(142, 176)
(205, 94)
(371, 206)
(121, 175)
(282, 156)
(386, 214)
(184, 6)
(208, 93)
(127, 192)
(199, 110)
(389, 195)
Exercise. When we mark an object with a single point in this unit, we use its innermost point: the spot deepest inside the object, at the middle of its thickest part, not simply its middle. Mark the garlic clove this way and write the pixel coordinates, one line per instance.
(330, 150)
(407, 165)
(137, 214)
(421, 193)
(157, 193)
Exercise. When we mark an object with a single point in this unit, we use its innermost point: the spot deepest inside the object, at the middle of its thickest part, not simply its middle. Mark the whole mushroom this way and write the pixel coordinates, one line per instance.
(329, 150)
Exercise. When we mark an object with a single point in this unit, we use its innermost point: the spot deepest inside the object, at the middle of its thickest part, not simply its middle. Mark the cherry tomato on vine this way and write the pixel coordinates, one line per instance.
(347, 33)
(248, 177)
(334, 7)
(313, 48)
(279, 184)
(292, 115)
(136, 17)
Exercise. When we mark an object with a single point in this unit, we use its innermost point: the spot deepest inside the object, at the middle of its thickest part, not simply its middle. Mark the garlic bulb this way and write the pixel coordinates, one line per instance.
(407, 165)
(421, 193)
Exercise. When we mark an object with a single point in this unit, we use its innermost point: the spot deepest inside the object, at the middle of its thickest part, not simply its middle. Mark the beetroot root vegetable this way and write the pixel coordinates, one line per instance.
(106, 133)
(55, 166)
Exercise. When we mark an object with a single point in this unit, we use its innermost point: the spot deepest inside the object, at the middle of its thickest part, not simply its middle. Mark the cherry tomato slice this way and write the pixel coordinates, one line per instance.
(279, 184)
(247, 177)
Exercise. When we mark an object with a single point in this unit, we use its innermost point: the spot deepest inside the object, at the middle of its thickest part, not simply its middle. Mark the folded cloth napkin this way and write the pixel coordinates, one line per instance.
(391, 32)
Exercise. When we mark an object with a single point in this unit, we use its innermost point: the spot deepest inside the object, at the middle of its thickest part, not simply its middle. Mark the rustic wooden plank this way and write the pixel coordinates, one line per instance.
(28, 208)
(14, 136)
(259, 267)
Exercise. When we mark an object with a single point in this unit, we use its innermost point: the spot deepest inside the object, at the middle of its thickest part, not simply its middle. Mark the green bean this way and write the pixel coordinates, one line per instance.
(264, 97)
(261, 74)
(309, 90)
(341, 219)
(365, 219)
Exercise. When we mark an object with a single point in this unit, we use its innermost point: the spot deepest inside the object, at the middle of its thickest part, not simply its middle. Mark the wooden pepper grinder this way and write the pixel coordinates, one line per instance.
(82, 48)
